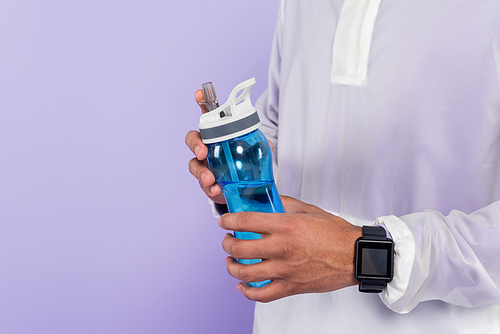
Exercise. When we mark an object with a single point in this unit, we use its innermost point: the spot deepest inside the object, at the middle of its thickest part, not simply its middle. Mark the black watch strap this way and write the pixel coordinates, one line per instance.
(371, 286)
(374, 233)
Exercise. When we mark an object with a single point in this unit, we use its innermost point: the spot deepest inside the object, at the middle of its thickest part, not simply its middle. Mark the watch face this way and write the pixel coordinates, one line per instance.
(374, 259)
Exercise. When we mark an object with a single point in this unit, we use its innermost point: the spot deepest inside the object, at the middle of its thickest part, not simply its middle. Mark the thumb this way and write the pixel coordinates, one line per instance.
(293, 205)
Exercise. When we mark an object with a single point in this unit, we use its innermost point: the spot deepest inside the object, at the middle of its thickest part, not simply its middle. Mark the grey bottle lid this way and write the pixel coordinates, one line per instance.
(234, 118)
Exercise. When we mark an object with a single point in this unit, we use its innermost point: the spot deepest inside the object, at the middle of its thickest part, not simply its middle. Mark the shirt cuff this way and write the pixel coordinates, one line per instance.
(404, 247)
(387, 233)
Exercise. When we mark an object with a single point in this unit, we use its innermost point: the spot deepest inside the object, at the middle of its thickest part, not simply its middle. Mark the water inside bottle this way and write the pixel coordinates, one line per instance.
(254, 196)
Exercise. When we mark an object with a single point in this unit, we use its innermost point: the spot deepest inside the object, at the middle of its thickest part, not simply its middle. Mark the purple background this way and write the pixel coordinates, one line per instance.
(102, 228)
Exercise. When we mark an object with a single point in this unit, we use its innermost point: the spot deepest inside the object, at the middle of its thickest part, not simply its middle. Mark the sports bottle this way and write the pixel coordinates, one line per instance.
(239, 156)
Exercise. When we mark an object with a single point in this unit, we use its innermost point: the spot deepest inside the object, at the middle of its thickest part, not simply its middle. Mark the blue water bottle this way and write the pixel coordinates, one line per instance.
(240, 156)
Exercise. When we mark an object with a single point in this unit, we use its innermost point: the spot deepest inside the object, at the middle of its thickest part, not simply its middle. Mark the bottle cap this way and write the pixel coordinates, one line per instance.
(234, 118)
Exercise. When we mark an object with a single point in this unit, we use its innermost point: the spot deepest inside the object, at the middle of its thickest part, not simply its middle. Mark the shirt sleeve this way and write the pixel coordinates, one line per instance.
(268, 103)
(450, 258)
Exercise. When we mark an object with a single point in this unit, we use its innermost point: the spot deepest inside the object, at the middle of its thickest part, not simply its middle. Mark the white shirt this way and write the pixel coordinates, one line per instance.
(389, 112)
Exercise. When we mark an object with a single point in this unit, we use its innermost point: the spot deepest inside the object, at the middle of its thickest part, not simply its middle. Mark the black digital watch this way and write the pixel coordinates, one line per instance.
(374, 259)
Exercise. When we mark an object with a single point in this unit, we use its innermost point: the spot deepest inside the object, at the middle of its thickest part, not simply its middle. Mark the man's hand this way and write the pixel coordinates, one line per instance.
(198, 165)
(304, 250)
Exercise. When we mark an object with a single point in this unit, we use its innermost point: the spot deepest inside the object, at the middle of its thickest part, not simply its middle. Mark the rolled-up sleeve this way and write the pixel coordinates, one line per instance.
(450, 258)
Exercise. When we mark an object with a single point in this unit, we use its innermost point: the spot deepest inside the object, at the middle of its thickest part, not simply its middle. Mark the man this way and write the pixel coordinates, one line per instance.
(386, 113)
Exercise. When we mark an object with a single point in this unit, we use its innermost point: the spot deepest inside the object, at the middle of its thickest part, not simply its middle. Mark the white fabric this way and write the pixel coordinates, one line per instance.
(214, 209)
(404, 247)
(351, 45)
(417, 146)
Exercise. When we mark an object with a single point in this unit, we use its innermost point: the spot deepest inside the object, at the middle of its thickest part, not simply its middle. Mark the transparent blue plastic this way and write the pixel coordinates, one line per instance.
(243, 167)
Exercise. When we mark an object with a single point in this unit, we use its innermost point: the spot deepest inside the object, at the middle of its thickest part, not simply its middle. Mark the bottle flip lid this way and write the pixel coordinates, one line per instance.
(234, 118)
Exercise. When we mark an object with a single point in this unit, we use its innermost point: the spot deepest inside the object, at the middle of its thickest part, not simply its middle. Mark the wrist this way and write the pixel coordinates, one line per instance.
(356, 233)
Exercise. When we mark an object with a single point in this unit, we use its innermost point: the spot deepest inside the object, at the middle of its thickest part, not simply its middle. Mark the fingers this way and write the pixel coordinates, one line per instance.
(248, 272)
(206, 179)
(195, 144)
(268, 223)
(263, 248)
(214, 193)
(200, 99)
(198, 166)
(198, 95)
(200, 171)
(275, 290)
(193, 138)
(262, 223)
(292, 205)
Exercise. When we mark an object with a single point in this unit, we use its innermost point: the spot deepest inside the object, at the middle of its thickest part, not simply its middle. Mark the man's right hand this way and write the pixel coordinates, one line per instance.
(198, 166)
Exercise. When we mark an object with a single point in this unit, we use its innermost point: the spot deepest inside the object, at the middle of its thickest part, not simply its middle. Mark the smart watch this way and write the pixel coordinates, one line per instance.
(374, 259)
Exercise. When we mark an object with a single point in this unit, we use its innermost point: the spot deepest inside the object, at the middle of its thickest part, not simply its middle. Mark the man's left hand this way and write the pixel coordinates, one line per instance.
(305, 250)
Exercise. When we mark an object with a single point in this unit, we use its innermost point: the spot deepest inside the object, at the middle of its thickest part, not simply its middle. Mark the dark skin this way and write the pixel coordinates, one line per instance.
(304, 250)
